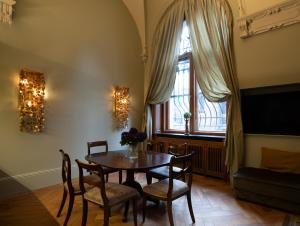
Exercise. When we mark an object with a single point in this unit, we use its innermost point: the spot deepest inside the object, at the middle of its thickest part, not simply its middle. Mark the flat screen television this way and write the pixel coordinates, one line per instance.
(271, 110)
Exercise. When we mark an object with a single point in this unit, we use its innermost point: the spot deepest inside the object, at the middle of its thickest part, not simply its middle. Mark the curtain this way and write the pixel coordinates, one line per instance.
(211, 26)
(163, 59)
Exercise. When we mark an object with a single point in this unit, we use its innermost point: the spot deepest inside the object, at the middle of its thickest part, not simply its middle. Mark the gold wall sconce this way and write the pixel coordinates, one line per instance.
(7, 11)
(31, 101)
(121, 106)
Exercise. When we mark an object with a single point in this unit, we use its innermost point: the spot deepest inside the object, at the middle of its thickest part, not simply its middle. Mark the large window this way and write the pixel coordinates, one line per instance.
(207, 117)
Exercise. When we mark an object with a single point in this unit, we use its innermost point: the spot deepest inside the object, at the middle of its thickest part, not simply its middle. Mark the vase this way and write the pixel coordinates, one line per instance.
(187, 131)
(133, 151)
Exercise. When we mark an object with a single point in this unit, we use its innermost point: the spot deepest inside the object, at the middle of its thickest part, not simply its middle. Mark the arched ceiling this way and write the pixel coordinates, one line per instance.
(137, 10)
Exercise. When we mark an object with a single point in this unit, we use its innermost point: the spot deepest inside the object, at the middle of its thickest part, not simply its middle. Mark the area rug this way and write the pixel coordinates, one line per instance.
(291, 220)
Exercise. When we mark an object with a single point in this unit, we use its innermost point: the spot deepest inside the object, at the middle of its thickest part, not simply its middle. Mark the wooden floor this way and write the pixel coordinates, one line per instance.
(213, 203)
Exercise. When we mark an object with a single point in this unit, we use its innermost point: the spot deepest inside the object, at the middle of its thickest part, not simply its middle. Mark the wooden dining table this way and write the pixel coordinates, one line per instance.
(121, 160)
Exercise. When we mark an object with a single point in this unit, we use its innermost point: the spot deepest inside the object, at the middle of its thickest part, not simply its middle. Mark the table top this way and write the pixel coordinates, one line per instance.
(120, 159)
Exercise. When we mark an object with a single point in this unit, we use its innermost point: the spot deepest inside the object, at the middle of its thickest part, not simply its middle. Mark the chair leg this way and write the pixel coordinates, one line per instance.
(149, 178)
(106, 216)
(84, 212)
(63, 201)
(120, 177)
(106, 177)
(144, 208)
(126, 211)
(170, 214)
(70, 207)
(134, 211)
(189, 200)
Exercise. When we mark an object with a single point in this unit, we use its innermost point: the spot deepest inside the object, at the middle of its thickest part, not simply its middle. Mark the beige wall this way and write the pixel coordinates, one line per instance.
(137, 11)
(252, 6)
(271, 58)
(84, 49)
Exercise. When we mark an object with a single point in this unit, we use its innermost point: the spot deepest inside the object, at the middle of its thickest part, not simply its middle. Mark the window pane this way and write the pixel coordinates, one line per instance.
(179, 102)
(211, 116)
(185, 43)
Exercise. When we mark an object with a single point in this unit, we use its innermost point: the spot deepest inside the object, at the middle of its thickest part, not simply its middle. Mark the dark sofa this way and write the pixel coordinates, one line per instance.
(274, 189)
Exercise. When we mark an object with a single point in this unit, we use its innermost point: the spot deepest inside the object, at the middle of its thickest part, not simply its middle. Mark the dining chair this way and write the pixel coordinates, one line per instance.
(105, 194)
(70, 187)
(106, 170)
(171, 188)
(162, 172)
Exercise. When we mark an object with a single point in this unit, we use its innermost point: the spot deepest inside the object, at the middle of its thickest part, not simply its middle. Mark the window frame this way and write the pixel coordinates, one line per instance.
(160, 112)
(166, 127)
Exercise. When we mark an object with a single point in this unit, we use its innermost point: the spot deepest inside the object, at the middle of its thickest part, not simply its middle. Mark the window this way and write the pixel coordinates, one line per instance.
(207, 117)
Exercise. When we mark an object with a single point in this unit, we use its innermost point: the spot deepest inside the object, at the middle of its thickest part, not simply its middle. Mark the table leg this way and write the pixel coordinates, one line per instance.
(131, 183)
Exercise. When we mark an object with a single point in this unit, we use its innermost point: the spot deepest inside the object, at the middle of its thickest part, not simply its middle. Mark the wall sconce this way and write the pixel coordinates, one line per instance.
(6, 10)
(31, 101)
(121, 106)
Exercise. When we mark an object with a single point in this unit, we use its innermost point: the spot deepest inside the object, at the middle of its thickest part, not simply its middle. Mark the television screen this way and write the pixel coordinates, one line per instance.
(271, 110)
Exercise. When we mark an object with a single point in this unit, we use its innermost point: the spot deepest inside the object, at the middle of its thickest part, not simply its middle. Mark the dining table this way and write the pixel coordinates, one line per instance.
(121, 160)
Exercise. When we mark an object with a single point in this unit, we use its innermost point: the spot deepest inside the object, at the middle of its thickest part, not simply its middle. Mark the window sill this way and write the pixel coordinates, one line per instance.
(192, 136)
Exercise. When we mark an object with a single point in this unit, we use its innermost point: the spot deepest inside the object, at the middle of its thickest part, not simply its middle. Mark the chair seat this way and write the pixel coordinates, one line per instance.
(163, 171)
(90, 181)
(160, 189)
(116, 193)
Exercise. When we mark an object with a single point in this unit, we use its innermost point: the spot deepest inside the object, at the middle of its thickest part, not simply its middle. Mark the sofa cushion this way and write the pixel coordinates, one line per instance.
(280, 161)
(285, 186)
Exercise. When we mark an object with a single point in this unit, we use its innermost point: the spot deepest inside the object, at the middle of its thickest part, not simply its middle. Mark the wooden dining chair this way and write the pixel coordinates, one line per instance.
(162, 172)
(106, 170)
(105, 194)
(171, 188)
(72, 188)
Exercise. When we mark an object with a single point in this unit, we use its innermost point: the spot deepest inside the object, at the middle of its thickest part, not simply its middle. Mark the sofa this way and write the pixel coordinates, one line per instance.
(274, 189)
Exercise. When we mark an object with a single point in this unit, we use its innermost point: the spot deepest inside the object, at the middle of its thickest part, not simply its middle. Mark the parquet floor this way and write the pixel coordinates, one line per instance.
(213, 203)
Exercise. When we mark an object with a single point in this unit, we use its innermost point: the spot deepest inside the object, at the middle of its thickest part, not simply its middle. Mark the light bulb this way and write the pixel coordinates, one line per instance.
(34, 92)
(29, 103)
(24, 81)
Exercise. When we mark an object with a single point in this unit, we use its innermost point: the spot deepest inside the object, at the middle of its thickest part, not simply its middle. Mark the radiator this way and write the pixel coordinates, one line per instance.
(209, 158)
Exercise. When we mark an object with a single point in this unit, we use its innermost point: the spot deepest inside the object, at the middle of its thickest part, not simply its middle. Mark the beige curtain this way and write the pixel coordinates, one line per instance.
(210, 23)
(161, 67)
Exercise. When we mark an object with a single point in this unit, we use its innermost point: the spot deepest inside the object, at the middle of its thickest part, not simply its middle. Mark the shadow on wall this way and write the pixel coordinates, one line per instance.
(19, 206)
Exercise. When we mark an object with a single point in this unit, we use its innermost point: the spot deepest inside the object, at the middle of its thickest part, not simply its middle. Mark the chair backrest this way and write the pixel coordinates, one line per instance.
(186, 161)
(158, 147)
(66, 170)
(90, 145)
(149, 146)
(178, 149)
(92, 167)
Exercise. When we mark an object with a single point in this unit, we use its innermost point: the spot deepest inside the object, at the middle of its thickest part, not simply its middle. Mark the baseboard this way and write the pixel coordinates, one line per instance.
(42, 178)
(38, 179)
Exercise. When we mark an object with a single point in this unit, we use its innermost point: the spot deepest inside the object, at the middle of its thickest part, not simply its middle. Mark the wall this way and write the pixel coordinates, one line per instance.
(137, 11)
(271, 58)
(252, 6)
(83, 50)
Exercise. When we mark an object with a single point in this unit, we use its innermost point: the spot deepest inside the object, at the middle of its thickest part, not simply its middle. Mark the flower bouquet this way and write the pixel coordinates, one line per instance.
(132, 138)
